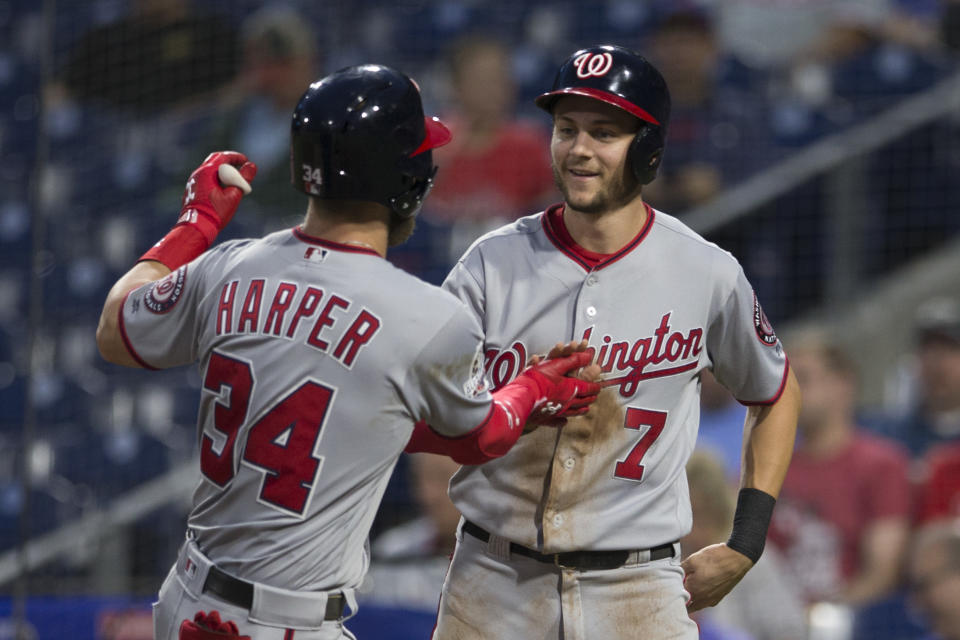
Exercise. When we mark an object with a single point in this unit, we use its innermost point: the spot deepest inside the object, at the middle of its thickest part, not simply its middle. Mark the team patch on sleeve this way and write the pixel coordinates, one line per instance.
(762, 324)
(474, 385)
(163, 295)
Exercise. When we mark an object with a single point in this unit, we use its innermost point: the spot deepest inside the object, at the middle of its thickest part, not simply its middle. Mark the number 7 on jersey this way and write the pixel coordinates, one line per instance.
(630, 468)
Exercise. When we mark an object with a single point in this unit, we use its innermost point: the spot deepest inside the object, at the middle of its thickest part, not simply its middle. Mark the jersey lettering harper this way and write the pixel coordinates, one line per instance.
(312, 377)
(658, 312)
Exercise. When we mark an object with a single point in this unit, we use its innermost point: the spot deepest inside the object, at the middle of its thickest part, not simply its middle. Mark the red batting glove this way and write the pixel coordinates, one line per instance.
(207, 207)
(561, 395)
(208, 626)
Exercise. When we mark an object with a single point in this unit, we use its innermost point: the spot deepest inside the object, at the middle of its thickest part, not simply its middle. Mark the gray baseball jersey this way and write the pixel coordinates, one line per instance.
(659, 311)
(316, 360)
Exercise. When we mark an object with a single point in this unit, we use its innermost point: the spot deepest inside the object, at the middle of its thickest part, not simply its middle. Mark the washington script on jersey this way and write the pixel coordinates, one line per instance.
(306, 302)
(634, 359)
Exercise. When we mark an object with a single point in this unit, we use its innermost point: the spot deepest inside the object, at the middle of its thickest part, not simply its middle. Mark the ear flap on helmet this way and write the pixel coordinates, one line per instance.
(646, 153)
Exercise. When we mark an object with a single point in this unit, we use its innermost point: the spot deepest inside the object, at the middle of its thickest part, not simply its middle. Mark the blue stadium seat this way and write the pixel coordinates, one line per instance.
(110, 463)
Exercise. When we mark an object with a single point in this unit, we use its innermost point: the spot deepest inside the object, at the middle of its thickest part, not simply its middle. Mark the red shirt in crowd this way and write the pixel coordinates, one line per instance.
(826, 504)
(939, 495)
(507, 179)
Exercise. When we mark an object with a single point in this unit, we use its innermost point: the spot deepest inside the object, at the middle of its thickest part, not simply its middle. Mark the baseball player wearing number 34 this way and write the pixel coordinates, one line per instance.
(573, 534)
(319, 361)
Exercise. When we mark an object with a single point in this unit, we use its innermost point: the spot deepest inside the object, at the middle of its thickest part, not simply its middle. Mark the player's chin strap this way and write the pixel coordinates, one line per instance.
(750, 522)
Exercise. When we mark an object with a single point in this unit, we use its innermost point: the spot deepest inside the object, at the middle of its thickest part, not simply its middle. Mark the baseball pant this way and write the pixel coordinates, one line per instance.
(491, 594)
(275, 614)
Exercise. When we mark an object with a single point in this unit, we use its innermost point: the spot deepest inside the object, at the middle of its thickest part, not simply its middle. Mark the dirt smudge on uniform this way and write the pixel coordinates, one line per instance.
(454, 369)
(578, 464)
(604, 419)
(640, 598)
(531, 461)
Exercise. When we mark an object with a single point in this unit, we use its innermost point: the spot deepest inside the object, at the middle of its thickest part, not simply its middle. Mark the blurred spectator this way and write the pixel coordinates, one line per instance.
(409, 562)
(843, 516)
(162, 54)
(871, 55)
(280, 57)
(939, 493)
(717, 134)
(721, 424)
(776, 34)
(935, 418)
(497, 168)
(772, 34)
(934, 568)
(950, 24)
(766, 603)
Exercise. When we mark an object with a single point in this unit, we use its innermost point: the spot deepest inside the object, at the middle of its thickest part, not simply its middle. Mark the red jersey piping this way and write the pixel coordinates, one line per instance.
(776, 396)
(330, 244)
(126, 339)
(572, 250)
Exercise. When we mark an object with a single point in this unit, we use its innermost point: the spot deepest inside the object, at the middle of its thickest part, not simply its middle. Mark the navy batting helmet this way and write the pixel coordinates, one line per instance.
(360, 134)
(623, 78)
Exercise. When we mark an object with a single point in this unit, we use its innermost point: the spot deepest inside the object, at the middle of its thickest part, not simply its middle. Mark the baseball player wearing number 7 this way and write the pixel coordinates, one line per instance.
(573, 534)
(317, 358)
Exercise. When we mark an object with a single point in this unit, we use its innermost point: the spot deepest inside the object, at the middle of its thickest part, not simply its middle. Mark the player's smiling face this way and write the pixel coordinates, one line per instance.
(589, 152)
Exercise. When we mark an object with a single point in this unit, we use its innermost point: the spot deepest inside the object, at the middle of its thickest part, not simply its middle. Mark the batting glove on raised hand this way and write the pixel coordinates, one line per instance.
(561, 395)
(210, 203)
(210, 199)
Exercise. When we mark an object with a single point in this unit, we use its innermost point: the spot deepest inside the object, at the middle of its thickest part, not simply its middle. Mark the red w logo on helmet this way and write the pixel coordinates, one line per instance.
(593, 64)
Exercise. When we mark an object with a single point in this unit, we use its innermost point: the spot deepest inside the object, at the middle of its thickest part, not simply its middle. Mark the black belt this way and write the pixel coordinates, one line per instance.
(240, 592)
(582, 560)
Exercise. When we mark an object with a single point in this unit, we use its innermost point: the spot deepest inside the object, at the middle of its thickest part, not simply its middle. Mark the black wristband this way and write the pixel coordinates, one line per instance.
(750, 522)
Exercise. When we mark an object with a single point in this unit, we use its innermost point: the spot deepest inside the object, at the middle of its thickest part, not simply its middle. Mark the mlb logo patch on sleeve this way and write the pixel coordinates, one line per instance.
(164, 294)
(762, 324)
(474, 385)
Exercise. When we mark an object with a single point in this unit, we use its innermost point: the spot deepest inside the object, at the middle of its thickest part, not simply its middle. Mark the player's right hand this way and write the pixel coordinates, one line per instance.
(561, 394)
(207, 203)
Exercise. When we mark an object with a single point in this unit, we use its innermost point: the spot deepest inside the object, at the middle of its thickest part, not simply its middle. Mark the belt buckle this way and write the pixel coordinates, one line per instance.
(558, 561)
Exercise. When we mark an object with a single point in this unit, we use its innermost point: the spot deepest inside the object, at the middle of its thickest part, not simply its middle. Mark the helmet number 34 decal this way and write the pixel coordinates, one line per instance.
(593, 64)
(311, 174)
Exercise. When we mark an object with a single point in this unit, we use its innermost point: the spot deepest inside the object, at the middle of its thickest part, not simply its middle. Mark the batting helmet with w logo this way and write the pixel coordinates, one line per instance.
(623, 78)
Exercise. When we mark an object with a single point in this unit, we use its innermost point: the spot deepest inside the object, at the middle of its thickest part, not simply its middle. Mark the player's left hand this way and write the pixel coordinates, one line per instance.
(581, 403)
(711, 573)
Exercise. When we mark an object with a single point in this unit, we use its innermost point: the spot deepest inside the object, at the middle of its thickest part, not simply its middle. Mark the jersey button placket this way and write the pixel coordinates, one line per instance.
(558, 520)
(569, 463)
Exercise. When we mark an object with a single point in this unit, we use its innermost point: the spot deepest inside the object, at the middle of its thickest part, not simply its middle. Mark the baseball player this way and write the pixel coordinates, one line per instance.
(573, 534)
(317, 357)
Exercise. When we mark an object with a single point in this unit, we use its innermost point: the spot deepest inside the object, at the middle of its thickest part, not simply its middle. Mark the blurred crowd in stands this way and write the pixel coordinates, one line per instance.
(108, 104)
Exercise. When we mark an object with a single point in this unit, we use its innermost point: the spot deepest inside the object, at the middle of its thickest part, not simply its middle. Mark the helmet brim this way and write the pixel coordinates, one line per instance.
(437, 135)
(546, 101)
